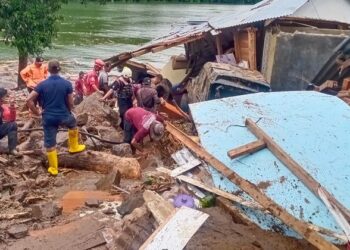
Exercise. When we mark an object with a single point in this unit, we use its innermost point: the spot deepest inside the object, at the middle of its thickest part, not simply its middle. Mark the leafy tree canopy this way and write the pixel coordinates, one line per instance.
(29, 25)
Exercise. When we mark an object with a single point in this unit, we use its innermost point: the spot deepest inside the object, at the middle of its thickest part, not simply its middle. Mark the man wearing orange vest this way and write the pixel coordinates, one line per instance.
(34, 73)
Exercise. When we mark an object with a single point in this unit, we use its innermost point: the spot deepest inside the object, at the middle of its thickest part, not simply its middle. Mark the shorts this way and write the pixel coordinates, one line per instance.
(51, 124)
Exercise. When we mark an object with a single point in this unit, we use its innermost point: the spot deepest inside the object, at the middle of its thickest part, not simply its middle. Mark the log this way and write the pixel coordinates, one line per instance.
(312, 184)
(101, 162)
(301, 227)
(246, 149)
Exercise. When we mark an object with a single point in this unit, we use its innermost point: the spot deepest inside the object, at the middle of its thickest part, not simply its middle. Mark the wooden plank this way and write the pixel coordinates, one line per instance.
(213, 190)
(346, 84)
(159, 207)
(177, 231)
(246, 149)
(184, 168)
(218, 43)
(252, 48)
(299, 226)
(312, 184)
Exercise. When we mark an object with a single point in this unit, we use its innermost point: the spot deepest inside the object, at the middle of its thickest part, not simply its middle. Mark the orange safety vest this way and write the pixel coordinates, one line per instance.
(33, 75)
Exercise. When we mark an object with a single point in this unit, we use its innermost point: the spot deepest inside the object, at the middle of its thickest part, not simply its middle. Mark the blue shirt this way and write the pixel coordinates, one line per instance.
(53, 93)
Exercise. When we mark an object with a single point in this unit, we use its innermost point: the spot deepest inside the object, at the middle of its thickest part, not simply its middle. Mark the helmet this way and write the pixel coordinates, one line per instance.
(127, 72)
(99, 63)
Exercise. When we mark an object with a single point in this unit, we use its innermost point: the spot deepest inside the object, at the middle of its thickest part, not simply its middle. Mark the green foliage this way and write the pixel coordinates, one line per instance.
(29, 25)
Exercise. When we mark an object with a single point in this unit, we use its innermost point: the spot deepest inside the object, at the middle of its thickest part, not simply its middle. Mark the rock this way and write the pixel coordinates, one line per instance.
(108, 210)
(110, 133)
(122, 150)
(62, 139)
(18, 231)
(134, 201)
(92, 143)
(106, 182)
(93, 203)
(46, 210)
(42, 181)
(82, 119)
(59, 182)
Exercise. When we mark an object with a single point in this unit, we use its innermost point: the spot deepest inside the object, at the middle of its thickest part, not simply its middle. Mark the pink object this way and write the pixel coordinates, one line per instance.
(99, 62)
(9, 114)
(90, 80)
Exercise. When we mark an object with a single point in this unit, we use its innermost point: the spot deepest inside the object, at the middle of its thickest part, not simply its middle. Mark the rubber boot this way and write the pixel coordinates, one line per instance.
(73, 141)
(53, 162)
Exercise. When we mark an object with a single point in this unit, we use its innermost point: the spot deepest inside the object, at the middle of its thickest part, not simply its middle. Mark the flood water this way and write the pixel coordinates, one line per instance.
(101, 31)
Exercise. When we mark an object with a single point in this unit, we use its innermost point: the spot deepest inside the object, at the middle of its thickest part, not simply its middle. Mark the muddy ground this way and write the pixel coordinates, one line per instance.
(71, 222)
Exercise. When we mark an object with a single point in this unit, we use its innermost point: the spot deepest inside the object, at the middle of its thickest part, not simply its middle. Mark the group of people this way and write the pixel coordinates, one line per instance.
(52, 97)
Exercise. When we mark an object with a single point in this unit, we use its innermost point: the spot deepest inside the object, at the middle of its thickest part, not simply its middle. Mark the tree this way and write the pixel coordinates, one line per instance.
(29, 26)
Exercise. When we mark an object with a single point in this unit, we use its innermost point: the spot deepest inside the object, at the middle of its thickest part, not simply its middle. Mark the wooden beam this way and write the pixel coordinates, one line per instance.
(293, 166)
(218, 42)
(252, 48)
(246, 149)
(177, 230)
(253, 191)
(237, 46)
(213, 190)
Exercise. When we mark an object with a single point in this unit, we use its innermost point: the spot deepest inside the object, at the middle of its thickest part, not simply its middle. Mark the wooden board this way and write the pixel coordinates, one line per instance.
(246, 149)
(299, 226)
(293, 166)
(184, 168)
(213, 190)
(177, 231)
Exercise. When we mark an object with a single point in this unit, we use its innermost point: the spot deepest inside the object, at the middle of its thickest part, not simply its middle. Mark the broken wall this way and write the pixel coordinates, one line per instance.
(294, 55)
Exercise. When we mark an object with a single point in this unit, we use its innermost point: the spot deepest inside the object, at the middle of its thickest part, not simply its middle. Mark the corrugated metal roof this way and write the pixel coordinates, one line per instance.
(187, 31)
(326, 10)
(267, 9)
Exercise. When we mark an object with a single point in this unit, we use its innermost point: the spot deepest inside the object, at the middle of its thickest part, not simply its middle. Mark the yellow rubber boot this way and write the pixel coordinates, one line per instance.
(73, 141)
(53, 162)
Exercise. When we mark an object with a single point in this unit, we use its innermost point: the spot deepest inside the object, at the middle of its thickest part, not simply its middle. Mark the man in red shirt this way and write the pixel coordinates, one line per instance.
(138, 123)
(79, 89)
(8, 125)
(91, 78)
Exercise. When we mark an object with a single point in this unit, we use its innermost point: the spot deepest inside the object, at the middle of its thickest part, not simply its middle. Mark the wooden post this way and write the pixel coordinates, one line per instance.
(293, 166)
(252, 190)
(252, 48)
(218, 44)
(236, 46)
(246, 149)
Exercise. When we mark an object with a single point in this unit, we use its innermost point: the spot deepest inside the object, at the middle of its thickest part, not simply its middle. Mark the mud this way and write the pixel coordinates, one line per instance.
(220, 232)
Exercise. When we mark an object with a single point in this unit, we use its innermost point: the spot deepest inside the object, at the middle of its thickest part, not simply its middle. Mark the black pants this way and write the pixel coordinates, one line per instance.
(129, 132)
(9, 129)
(124, 104)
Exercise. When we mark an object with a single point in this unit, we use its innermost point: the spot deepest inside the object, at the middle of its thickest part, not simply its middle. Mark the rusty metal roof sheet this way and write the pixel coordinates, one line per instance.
(182, 32)
(267, 9)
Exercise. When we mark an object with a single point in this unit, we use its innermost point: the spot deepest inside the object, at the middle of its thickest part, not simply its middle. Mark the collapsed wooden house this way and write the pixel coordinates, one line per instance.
(287, 41)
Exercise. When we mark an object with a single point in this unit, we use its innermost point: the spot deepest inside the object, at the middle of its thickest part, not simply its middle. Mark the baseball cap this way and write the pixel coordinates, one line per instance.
(156, 130)
(39, 59)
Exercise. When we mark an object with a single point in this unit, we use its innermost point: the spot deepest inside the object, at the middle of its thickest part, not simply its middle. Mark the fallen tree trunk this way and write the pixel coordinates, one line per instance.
(101, 162)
